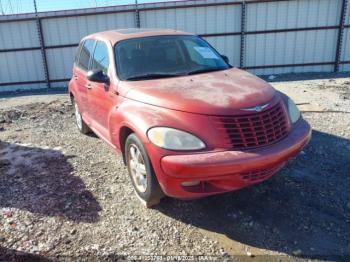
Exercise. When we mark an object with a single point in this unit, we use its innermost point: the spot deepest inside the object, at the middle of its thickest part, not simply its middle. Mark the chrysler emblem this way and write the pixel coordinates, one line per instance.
(256, 108)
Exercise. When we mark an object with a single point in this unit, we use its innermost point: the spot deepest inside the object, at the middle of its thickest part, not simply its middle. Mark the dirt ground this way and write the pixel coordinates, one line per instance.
(64, 195)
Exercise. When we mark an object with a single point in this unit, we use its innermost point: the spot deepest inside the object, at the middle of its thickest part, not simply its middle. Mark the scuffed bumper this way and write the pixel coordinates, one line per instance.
(223, 171)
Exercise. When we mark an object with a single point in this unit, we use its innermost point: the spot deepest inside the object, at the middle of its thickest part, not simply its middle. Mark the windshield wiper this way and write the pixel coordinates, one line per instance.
(151, 76)
(205, 70)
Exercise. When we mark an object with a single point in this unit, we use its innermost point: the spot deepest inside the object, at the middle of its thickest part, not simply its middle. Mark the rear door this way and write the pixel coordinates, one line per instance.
(80, 76)
(100, 95)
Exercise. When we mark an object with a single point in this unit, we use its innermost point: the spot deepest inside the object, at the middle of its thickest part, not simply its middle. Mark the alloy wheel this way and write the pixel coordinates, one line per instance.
(137, 168)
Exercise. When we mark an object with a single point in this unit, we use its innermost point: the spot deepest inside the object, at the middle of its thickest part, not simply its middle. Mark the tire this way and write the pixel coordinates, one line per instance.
(82, 126)
(141, 172)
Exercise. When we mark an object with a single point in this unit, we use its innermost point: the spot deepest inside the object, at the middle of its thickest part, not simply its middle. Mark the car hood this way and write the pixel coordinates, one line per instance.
(215, 93)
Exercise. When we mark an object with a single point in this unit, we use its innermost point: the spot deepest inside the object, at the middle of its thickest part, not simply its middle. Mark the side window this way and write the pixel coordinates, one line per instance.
(100, 59)
(77, 52)
(85, 53)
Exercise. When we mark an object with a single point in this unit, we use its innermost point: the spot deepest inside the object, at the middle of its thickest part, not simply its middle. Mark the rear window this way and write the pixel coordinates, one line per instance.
(85, 54)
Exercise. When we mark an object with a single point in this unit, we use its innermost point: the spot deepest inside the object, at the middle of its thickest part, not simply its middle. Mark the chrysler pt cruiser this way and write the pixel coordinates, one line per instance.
(186, 122)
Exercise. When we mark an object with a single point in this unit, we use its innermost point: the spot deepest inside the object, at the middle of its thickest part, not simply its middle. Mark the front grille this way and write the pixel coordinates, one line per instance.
(254, 130)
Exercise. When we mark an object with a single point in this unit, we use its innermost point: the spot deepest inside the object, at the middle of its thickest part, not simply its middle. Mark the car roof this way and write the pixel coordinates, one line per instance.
(114, 36)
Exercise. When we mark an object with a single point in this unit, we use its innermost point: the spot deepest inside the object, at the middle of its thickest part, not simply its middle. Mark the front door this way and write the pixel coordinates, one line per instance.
(101, 97)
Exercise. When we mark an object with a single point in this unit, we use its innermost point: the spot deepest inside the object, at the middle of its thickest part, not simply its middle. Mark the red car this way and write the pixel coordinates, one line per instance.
(187, 123)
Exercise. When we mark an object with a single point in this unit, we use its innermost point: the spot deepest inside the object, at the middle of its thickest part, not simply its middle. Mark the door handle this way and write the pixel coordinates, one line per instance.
(88, 86)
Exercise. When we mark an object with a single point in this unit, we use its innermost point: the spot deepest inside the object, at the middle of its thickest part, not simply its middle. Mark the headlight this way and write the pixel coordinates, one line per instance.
(173, 139)
(294, 113)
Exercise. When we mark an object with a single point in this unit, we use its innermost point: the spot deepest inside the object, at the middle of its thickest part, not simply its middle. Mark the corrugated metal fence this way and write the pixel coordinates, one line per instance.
(265, 37)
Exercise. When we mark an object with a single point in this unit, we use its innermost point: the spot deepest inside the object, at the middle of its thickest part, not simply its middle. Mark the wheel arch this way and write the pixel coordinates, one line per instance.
(126, 120)
(124, 132)
(71, 96)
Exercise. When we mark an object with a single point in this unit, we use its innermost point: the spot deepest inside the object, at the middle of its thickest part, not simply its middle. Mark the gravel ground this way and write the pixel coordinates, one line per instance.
(64, 195)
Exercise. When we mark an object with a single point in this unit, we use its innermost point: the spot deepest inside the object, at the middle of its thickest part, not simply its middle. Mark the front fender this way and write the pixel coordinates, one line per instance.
(137, 116)
(140, 117)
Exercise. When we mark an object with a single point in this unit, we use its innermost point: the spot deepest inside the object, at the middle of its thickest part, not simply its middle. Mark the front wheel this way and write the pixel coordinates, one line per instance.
(141, 172)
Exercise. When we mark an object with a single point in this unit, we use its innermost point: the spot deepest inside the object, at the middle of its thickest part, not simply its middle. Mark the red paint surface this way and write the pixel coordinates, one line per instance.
(188, 103)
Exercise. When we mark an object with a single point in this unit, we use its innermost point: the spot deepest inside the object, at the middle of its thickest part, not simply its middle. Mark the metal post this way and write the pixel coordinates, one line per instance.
(340, 35)
(243, 24)
(42, 45)
(137, 15)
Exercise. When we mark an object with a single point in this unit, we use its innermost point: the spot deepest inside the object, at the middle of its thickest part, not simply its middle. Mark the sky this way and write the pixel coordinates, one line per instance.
(26, 6)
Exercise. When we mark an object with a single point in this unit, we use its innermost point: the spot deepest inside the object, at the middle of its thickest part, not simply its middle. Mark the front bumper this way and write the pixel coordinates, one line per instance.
(224, 171)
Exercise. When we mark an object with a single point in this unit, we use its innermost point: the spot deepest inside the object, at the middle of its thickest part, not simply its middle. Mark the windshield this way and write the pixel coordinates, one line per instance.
(165, 56)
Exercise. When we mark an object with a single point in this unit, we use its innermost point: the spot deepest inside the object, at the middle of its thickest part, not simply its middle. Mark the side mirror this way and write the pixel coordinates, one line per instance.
(98, 76)
(225, 59)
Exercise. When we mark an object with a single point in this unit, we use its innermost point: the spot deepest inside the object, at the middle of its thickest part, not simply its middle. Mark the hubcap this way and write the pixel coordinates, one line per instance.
(137, 168)
(78, 116)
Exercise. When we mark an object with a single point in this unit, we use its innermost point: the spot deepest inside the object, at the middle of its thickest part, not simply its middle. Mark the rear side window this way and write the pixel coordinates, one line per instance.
(100, 59)
(85, 54)
(76, 57)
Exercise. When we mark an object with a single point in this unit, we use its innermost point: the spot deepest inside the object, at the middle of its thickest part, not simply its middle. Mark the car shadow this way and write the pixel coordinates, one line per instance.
(42, 181)
(92, 135)
(304, 210)
(19, 256)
